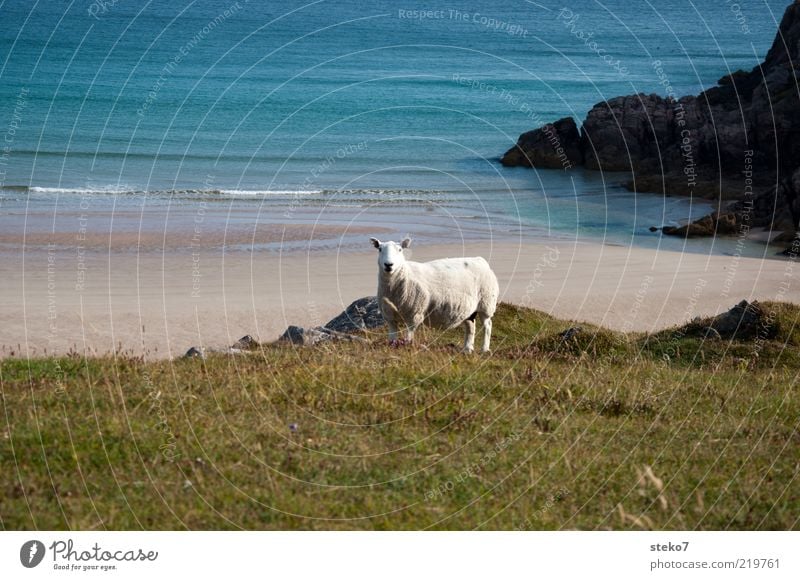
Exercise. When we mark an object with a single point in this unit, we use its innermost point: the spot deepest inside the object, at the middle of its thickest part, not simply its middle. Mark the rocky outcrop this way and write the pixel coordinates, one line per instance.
(710, 225)
(361, 315)
(553, 146)
(743, 133)
(246, 344)
(776, 209)
(315, 335)
(745, 321)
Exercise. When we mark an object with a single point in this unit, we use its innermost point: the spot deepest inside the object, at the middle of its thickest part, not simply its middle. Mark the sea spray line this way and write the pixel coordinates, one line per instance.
(319, 169)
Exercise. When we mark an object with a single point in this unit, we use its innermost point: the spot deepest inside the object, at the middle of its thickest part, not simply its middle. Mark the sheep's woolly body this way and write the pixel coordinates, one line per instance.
(445, 292)
(442, 293)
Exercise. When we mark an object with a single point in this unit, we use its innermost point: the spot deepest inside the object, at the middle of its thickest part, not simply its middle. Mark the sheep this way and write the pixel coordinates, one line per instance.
(443, 293)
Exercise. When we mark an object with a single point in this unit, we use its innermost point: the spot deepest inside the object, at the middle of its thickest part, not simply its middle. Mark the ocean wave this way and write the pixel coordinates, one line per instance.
(255, 192)
(109, 189)
(410, 195)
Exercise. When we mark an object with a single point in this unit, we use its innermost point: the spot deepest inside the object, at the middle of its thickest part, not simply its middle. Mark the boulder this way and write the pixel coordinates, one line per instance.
(745, 321)
(726, 223)
(304, 336)
(362, 314)
(702, 227)
(552, 146)
(315, 335)
(247, 342)
(570, 333)
(195, 352)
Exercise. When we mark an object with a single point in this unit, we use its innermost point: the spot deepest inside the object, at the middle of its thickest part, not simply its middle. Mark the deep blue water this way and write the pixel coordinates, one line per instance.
(367, 101)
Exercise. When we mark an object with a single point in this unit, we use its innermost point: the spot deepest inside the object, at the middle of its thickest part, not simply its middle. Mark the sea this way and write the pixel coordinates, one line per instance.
(379, 114)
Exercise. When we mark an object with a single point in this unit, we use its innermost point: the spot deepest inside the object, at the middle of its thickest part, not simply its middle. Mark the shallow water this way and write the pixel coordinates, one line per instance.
(374, 113)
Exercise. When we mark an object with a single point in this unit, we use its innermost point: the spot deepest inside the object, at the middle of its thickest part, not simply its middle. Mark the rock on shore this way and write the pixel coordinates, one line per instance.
(743, 133)
(361, 315)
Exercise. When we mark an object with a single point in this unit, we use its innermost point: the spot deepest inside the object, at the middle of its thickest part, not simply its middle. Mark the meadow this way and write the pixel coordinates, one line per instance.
(586, 430)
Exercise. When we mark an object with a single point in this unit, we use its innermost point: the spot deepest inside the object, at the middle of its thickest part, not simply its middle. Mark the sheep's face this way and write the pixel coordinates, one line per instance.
(390, 255)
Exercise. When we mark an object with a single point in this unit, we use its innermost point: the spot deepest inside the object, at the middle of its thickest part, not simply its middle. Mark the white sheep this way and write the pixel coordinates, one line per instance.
(443, 293)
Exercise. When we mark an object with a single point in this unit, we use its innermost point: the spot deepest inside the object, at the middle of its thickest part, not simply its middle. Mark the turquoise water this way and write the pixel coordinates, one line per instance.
(371, 106)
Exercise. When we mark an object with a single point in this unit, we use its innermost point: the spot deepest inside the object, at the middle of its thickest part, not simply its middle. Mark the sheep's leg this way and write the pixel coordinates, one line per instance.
(392, 330)
(487, 332)
(469, 335)
(413, 327)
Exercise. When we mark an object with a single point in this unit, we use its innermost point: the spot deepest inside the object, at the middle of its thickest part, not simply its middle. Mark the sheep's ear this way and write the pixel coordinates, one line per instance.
(375, 242)
(405, 243)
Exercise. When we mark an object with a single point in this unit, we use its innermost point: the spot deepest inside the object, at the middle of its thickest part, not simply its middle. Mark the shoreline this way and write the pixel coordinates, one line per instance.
(158, 304)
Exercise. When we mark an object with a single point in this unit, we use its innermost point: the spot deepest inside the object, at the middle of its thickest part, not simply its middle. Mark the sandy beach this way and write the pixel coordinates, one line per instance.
(169, 295)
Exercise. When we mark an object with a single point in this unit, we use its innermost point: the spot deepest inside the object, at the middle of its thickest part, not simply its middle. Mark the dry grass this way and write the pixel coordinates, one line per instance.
(600, 431)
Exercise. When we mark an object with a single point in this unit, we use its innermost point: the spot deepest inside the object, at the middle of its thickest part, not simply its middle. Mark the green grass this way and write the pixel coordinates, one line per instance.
(603, 431)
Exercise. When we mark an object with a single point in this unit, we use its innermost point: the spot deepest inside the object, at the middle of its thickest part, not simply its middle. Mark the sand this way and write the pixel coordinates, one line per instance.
(159, 302)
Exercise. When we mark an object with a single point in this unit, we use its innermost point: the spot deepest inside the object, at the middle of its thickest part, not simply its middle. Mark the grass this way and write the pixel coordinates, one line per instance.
(600, 431)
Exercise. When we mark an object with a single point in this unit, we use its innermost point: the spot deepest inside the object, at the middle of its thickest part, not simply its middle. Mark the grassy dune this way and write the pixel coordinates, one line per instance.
(602, 431)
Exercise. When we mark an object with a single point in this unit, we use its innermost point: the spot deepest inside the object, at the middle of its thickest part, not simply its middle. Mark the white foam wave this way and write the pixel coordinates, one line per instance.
(82, 190)
(269, 192)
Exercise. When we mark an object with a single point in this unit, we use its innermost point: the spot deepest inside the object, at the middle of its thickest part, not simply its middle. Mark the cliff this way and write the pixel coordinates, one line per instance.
(739, 140)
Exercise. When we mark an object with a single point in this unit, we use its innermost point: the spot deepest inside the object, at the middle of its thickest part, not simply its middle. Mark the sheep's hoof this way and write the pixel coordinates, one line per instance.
(397, 342)
(486, 351)
(467, 350)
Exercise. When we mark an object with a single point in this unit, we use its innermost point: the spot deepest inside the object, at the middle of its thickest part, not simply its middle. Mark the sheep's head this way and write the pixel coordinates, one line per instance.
(390, 254)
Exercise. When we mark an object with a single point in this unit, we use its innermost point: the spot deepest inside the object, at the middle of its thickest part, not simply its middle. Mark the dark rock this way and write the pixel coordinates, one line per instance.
(745, 321)
(195, 352)
(725, 223)
(315, 335)
(691, 145)
(363, 314)
(570, 333)
(553, 146)
(702, 227)
(793, 249)
(247, 342)
(653, 228)
(360, 315)
(304, 336)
